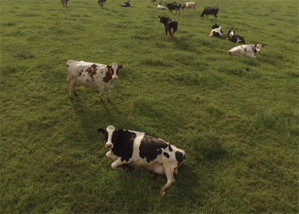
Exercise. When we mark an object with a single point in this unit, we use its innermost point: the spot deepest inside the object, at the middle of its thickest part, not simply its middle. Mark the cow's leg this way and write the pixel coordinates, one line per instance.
(169, 170)
(101, 90)
(117, 163)
(71, 86)
(111, 155)
(108, 98)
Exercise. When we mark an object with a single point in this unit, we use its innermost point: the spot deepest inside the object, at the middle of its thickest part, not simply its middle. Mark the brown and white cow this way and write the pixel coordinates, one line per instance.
(140, 149)
(89, 74)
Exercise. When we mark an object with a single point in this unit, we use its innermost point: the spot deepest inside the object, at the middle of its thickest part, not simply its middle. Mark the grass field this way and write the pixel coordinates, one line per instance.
(236, 117)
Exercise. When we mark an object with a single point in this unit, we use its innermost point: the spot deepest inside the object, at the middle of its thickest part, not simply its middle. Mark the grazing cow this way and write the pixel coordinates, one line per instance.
(174, 6)
(246, 50)
(101, 3)
(190, 5)
(210, 11)
(171, 26)
(89, 74)
(64, 2)
(126, 4)
(216, 31)
(140, 149)
(160, 7)
(231, 36)
(153, 1)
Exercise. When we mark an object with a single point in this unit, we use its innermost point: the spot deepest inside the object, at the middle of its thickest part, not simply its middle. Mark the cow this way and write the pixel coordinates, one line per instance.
(190, 5)
(216, 31)
(246, 50)
(171, 26)
(160, 7)
(64, 2)
(142, 150)
(101, 3)
(153, 1)
(174, 6)
(89, 74)
(210, 11)
(231, 36)
(126, 4)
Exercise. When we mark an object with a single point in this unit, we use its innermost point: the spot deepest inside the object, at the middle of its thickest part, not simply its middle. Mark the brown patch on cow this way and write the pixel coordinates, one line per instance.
(108, 76)
(80, 73)
(92, 71)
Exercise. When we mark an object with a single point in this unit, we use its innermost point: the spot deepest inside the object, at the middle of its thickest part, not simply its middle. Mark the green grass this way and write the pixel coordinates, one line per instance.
(236, 118)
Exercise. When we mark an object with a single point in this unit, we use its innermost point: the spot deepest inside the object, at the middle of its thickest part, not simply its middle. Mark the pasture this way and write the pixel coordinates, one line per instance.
(236, 117)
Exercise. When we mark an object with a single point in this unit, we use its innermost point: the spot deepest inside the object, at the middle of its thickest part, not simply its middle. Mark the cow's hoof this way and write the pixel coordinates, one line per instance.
(71, 98)
(163, 194)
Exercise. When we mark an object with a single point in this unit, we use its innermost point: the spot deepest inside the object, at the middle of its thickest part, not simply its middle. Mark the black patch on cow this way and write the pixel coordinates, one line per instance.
(122, 144)
(151, 147)
(166, 154)
(170, 148)
(180, 157)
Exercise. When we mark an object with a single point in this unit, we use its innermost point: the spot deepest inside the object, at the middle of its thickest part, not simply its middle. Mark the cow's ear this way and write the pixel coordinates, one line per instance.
(108, 66)
(101, 131)
(120, 66)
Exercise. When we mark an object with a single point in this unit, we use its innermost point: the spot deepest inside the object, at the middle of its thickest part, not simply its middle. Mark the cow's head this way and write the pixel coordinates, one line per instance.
(230, 33)
(113, 70)
(163, 19)
(258, 47)
(109, 131)
(215, 26)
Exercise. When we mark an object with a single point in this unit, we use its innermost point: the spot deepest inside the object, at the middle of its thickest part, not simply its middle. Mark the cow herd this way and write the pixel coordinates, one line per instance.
(133, 147)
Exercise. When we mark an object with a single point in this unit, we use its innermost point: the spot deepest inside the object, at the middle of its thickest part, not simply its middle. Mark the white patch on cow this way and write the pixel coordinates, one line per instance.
(245, 50)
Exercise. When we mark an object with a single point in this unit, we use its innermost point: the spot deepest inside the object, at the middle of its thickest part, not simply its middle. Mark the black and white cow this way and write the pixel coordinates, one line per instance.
(90, 74)
(231, 36)
(246, 50)
(140, 149)
(101, 3)
(174, 6)
(171, 26)
(64, 2)
(126, 4)
(216, 31)
(210, 11)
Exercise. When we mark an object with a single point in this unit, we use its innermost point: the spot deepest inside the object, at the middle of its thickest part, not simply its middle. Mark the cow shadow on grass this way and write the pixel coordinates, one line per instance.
(93, 115)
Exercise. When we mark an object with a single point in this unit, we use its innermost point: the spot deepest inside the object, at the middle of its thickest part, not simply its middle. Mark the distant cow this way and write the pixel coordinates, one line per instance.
(153, 1)
(210, 11)
(160, 7)
(89, 74)
(64, 2)
(171, 26)
(140, 149)
(216, 31)
(246, 50)
(189, 5)
(174, 6)
(101, 3)
(231, 36)
(126, 4)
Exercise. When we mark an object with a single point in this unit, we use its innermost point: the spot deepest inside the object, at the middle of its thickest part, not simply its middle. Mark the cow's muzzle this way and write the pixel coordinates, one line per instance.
(109, 145)
(115, 78)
